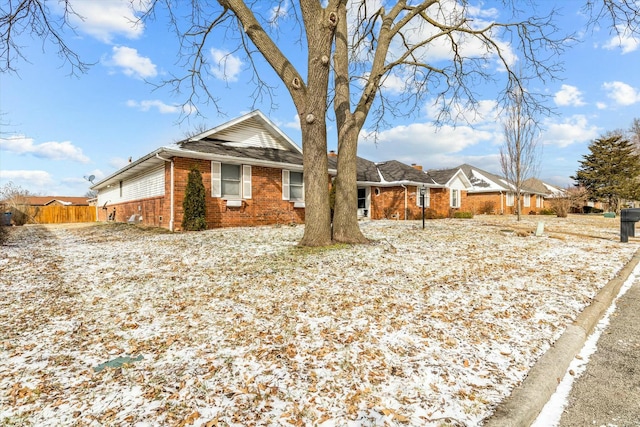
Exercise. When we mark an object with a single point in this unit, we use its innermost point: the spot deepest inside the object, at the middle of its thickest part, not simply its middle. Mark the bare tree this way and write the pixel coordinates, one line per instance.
(397, 42)
(634, 134)
(14, 200)
(371, 46)
(520, 153)
(34, 18)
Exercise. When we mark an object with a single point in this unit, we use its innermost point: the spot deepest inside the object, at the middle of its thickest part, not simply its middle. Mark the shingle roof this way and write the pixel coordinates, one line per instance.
(219, 148)
(441, 176)
(46, 200)
(366, 170)
(394, 170)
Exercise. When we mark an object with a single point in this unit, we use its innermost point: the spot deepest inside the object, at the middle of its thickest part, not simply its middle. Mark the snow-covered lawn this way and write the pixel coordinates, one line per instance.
(240, 327)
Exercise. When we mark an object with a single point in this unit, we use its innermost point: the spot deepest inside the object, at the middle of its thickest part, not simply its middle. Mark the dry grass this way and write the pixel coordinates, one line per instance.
(241, 327)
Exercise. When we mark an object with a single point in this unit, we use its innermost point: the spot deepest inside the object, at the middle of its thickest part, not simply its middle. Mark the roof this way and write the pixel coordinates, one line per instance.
(222, 149)
(542, 187)
(250, 137)
(366, 170)
(483, 181)
(444, 177)
(63, 200)
(394, 170)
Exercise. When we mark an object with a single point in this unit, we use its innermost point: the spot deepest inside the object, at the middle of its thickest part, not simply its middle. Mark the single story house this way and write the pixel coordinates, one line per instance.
(492, 194)
(252, 174)
(55, 201)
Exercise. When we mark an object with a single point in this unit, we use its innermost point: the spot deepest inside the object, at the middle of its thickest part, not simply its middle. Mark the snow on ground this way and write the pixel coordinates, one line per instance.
(240, 327)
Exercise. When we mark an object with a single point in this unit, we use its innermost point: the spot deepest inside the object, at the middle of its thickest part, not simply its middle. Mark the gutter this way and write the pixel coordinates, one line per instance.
(405, 200)
(172, 214)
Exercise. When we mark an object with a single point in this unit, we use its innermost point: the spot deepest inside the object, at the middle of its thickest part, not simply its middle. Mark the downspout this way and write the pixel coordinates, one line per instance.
(405, 201)
(172, 214)
(501, 204)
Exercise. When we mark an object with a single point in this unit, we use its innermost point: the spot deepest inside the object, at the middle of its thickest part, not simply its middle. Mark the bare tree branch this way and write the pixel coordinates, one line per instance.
(33, 17)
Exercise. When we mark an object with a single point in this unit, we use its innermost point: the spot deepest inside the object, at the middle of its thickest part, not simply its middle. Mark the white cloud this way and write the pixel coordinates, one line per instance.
(147, 105)
(601, 105)
(118, 162)
(22, 145)
(622, 93)
(226, 65)
(293, 124)
(568, 96)
(572, 130)
(132, 63)
(105, 19)
(484, 112)
(420, 140)
(281, 10)
(624, 39)
(27, 178)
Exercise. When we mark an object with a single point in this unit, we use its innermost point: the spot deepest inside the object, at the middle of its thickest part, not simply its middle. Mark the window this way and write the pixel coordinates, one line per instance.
(427, 197)
(510, 199)
(527, 200)
(539, 201)
(230, 181)
(296, 186)
(455, 198)
(362, 198)
(292, 186)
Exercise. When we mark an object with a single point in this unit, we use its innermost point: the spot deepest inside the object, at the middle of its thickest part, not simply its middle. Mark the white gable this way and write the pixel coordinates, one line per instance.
(249, 134)
(253, 130)
(456, 183)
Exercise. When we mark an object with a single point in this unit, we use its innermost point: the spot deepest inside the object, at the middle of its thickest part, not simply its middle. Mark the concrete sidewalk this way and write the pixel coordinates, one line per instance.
(526, 401)
(608, 392)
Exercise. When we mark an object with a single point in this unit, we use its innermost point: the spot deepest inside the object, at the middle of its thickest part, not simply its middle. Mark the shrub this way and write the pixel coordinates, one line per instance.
(466, 215)
(194, 204)
(4, 234)
(488, 208)
(547, 212)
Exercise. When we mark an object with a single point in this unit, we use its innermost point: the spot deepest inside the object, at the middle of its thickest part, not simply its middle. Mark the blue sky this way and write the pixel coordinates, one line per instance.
(58, 129)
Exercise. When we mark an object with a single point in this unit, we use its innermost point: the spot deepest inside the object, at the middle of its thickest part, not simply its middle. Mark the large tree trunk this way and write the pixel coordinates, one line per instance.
(345, 216)
(320, 26)
(310, 99)
(317, 230)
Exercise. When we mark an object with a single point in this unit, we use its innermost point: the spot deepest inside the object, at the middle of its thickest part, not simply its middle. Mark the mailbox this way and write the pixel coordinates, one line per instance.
(628, 219)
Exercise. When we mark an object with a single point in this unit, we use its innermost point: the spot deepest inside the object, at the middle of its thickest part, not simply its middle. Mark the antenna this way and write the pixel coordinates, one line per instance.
(90, 178)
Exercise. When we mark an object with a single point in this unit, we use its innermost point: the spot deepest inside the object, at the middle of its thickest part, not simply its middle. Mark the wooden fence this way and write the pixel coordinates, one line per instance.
(60, 214)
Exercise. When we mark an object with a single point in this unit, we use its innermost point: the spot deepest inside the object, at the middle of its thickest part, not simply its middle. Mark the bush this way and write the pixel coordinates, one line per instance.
(465, 215)
(4, 234)
(488, 208)
(547, 212)
(194, 204)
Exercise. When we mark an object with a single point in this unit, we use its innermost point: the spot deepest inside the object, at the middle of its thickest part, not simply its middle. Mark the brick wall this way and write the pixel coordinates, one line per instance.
(481, 203)
(151, 210)
(265, 206)
(391, 201)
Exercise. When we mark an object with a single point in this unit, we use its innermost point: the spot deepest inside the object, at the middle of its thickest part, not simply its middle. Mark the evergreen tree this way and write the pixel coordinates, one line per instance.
(194, 205)
(610, 172)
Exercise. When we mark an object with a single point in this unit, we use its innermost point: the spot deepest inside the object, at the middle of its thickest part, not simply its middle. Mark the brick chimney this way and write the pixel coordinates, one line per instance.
(332, 154)
(416, 167)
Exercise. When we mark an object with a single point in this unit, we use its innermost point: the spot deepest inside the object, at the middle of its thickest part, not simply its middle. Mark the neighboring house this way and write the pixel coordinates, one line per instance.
(492, 194)
(252, 174)
(47, 210)
(389, 189)
(55, 201)
(453, 192)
